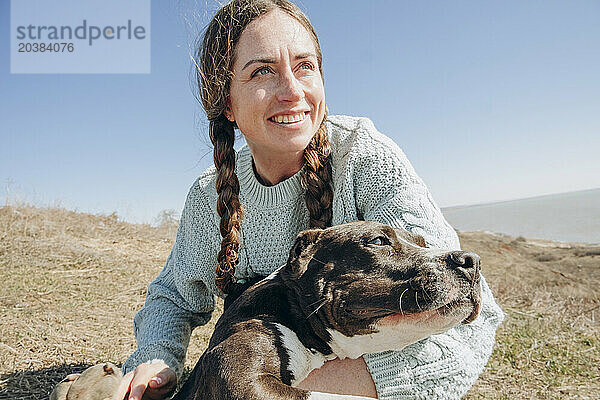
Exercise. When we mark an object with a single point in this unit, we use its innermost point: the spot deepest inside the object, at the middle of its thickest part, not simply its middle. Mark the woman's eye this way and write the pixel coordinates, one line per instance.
(307, 66)
(261, 71)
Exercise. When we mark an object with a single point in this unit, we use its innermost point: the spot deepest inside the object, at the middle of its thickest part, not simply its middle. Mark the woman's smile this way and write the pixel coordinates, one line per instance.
(294, 119)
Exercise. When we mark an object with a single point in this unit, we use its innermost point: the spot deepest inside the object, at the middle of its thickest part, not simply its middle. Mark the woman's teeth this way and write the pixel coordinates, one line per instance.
(288, 119)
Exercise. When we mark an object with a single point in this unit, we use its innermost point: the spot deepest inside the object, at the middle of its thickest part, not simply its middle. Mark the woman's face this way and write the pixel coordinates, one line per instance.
(277, 97)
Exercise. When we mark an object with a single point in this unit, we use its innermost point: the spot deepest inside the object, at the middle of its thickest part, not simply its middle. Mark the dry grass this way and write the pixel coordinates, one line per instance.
(72, 283)
(549, 344)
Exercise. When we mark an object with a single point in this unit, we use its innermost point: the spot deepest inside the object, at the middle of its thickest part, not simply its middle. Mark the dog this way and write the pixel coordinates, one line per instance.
(95, 383)
(348, 290)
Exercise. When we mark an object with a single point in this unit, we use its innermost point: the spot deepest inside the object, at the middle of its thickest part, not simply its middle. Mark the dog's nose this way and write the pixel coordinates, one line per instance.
(464, 261)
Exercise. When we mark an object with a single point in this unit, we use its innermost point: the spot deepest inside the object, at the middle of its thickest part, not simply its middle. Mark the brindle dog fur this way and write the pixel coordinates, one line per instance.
(345, 291)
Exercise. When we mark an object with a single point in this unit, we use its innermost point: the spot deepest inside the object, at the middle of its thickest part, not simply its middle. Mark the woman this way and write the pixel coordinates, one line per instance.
(260, 71)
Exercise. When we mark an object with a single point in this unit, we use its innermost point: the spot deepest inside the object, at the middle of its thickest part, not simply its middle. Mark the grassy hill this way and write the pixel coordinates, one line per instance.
(72, 282)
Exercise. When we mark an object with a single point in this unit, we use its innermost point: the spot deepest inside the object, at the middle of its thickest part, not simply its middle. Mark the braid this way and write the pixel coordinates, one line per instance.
(228, 203)
(317, 178)
(216, 55)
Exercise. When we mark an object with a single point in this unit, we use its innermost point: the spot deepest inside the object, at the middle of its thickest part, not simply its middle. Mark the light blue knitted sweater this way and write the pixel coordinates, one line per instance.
(372, 180)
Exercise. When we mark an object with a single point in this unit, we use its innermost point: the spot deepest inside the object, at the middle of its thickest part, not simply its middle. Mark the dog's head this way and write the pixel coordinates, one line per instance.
(365, 279)
(98, 382)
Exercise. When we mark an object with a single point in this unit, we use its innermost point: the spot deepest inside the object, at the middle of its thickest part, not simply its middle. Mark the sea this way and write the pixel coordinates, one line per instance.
(566, 217)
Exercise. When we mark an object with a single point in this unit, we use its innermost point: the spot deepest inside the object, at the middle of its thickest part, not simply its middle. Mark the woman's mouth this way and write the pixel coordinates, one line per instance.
(289, 118)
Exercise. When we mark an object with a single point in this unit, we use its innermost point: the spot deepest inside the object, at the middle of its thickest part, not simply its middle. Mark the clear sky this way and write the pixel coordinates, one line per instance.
(490, 100)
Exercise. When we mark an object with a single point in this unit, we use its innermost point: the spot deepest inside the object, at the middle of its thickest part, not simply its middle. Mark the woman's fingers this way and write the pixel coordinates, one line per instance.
(138, 385)
(142, 377)
(161, 385)
(166, 377)
(148, 380)
(123, 388)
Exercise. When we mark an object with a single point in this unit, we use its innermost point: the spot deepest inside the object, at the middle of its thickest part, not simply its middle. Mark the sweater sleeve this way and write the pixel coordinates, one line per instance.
(178, 300)
(444, 366)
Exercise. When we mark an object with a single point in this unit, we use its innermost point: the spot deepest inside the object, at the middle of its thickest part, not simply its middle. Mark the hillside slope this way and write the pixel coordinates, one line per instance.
(72, 283)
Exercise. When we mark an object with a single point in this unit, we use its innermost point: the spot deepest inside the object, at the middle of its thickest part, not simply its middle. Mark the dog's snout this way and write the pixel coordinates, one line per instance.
(465, 262)
(464, 259)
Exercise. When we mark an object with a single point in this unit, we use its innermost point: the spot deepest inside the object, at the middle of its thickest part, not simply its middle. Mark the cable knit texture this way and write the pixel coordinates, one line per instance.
(372, 180)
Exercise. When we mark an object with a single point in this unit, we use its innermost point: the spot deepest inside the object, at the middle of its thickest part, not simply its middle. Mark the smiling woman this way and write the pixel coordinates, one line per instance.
(277, 96)
(260, 71)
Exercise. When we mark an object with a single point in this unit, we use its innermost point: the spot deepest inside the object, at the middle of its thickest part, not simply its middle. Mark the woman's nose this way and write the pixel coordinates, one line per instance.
(290, 89)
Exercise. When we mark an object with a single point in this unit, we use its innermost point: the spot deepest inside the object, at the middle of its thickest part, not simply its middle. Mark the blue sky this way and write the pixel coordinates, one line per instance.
(489, 100)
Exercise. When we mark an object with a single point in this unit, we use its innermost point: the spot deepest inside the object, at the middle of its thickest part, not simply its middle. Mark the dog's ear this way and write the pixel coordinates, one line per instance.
(303, 241)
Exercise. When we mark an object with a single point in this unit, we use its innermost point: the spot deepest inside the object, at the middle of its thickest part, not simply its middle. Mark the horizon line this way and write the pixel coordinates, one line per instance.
(495, 202)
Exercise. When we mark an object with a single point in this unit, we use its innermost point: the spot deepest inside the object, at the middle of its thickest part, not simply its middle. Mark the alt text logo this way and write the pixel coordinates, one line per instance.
(80, 36)
(84, 31)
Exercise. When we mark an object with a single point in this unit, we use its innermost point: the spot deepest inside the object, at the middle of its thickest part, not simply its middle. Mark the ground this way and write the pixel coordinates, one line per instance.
(72, 282)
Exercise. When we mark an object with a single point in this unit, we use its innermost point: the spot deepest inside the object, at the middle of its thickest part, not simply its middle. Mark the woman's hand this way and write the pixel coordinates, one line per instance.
(152, 381)
(347, 376)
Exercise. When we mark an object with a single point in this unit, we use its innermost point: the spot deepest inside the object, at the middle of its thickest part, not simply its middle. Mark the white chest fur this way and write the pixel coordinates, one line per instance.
(302, 360)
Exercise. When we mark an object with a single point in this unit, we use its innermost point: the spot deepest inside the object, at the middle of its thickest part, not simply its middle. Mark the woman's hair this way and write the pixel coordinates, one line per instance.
(217, 56)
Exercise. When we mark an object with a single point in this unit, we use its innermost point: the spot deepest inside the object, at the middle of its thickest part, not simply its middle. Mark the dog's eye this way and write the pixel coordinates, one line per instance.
(379, 241)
